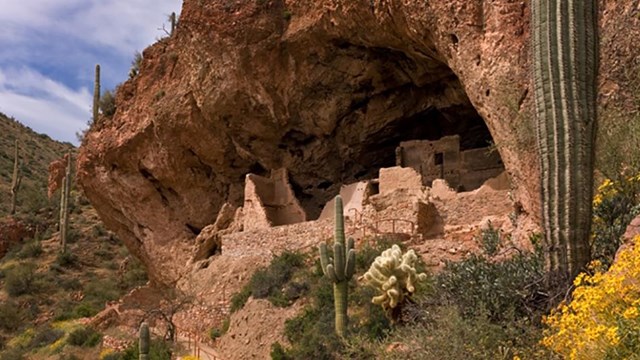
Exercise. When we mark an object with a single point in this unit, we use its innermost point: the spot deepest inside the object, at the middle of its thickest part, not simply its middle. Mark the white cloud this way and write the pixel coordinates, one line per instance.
(44, 104)
(54, 46)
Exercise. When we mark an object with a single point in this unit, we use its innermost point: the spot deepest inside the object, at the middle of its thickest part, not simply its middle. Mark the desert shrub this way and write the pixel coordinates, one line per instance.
(66, 259)
(312, 334)
(13, 354)
(69, 283)
(449, 335)
(216, 332)
(32, 249)
(489, 240)
(108, 104)
(240, 298)
(10, 315)
(512, 287)
(21, 279)
(85, 337)
(135, 275)
(96, 294)
(273, 282)
(45, 336)
(73, 236)
(84, 310)
(602, 321)
(269, 282)
(615, 204)
(158, 350)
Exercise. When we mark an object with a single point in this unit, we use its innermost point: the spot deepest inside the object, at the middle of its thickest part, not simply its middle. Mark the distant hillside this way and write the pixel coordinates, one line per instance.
(36, 152)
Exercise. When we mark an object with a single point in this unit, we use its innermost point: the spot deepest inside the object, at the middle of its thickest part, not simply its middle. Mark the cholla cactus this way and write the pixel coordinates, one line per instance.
(394, 274)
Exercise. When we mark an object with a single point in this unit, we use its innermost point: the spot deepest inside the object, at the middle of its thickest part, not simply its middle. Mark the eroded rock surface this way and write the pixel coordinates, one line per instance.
(327, 92)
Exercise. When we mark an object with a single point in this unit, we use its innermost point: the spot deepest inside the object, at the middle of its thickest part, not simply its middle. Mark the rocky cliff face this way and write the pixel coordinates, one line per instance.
(326, 89)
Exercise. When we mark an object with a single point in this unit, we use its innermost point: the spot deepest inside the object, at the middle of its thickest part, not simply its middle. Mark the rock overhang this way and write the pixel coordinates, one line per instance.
(325, 94)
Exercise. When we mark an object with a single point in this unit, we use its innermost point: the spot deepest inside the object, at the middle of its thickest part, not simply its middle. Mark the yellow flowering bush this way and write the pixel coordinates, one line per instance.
(602, 320)
(615, 204)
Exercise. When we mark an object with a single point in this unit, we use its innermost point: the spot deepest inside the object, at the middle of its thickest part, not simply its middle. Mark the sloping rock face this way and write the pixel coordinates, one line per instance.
(325, 89)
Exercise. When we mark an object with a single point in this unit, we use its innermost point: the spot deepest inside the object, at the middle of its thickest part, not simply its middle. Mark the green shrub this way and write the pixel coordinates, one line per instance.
(272, 282)
(513, 287)
(312, 335)
(45, 336)
(135, 275)
(216, 332)
(10, 316)
(69, 283)
(615, 205)
(66, 259)
(490, 240)
(13, 354)
(85, 310)
(108, 104)
(21, 279)
(448, 335)
(85, 337)
(158, 350)
(278, 352)
(32, 249)
(240, 298)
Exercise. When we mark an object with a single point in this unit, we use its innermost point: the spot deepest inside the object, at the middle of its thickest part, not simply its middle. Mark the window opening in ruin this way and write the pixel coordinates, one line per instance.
(438, 159)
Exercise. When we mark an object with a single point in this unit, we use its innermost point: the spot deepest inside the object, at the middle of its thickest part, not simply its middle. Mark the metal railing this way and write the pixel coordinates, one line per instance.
(375, 226)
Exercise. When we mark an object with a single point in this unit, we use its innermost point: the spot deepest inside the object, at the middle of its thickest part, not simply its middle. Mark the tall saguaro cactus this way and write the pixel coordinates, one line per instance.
(96, 94)
(565, 65)
(172, 19)
(340, 269)
(143, 342)
(64, 204)
(15, 180)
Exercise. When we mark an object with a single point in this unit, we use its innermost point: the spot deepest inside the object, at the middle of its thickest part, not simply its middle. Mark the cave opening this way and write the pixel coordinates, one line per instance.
(403, 109)
(379, 149)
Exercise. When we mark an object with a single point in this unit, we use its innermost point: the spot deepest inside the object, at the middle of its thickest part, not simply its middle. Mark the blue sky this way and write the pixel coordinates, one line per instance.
(49, 48)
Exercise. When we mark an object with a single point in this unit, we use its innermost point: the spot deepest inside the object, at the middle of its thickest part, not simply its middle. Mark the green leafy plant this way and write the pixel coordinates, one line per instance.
(85, 337)
(21, 279)
(490, 240)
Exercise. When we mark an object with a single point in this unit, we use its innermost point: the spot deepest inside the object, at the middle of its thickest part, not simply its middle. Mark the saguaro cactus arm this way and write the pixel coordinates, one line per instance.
(565, 64)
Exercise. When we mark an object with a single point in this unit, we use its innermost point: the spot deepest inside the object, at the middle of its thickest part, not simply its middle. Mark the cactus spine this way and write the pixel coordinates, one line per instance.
(340, 269)
(565, 63)
(64, 204)
(96, 94)
(15, 180)
(143, 343)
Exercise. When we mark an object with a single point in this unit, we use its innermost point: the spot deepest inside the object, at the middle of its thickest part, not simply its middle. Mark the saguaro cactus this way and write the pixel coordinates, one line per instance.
(64, 204)
(565, 64)
(96, 94)
(143, 342)
(15, 180)
(340, 269)
(172, 19)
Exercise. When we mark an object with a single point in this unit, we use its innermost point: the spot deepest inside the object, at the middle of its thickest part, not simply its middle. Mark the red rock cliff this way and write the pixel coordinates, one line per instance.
(326, 89)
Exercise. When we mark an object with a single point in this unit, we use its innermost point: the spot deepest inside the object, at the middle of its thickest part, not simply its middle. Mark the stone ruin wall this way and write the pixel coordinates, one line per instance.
(442, 159)
(270, 201)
